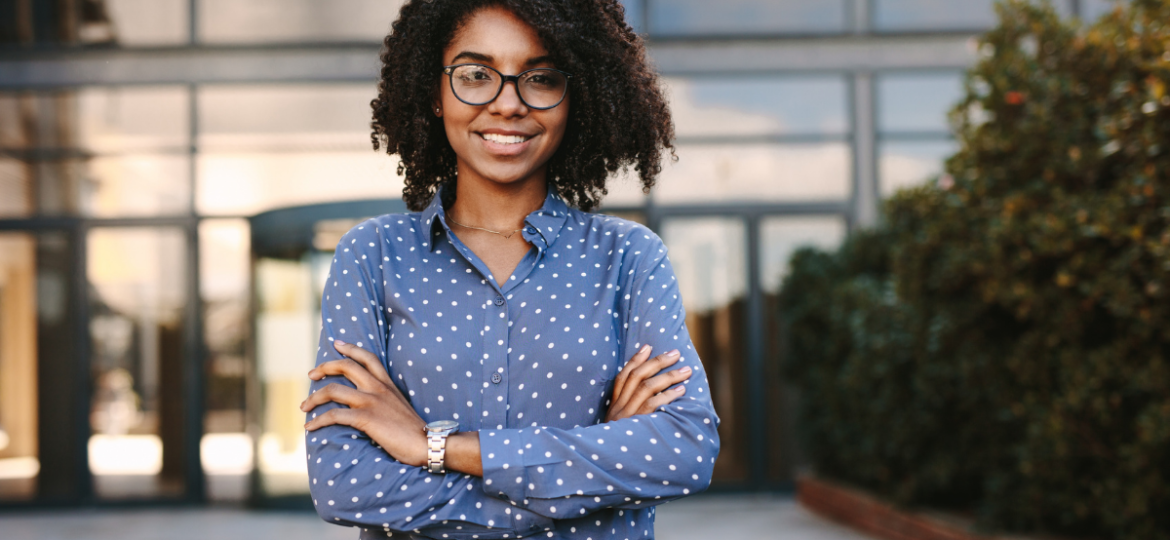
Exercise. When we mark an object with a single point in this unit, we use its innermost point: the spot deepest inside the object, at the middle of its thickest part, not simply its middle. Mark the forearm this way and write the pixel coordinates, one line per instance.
(462, 453)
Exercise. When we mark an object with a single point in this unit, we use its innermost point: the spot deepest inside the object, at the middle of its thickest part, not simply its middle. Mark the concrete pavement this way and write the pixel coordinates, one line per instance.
(704, 517)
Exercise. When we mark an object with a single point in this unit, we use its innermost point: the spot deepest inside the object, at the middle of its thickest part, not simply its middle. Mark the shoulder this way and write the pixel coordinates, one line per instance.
(374, 234)
(633, 243)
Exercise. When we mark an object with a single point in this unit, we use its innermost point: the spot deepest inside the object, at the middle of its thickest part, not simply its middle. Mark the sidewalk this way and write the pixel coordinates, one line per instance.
(722, 517)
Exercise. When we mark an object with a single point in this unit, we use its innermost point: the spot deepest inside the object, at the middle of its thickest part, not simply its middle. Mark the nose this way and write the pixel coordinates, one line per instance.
(508, 103)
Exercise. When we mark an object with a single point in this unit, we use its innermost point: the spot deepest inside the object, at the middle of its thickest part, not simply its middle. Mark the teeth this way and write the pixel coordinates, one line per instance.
(503, 139)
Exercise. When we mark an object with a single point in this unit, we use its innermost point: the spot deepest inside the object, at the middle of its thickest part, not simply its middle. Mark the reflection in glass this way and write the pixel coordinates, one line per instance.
(269, 21)
(910, 163)
(19, 463)
(135, 23)
(779, 238)
(917, 101)
(224, 266)
(120, 119)
(709, 260)
(708, 106)
(287, 325)
(756, 172)
(728, 17)
(137, 296)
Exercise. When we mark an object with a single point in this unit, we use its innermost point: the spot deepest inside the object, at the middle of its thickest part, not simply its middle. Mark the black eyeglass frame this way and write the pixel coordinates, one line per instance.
(504, 79)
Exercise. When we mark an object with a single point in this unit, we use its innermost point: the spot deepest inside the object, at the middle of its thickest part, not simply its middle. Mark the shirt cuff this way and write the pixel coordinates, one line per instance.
(502, 455)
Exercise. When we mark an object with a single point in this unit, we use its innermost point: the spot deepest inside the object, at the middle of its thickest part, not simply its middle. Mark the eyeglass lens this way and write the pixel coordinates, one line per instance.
(538, 88)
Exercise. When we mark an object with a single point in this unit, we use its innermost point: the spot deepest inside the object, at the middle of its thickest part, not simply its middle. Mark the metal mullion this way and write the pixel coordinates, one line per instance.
(758, 439)
(194, 368)
(80, 381)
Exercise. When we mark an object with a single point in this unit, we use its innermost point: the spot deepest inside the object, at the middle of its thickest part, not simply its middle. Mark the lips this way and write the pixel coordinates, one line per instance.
(505, 144)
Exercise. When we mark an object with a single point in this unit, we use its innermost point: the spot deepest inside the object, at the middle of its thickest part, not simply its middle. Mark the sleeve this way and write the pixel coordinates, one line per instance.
(635, 462)
(353, 481)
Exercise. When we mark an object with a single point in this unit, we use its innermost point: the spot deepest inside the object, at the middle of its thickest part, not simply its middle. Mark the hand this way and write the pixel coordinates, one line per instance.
(376, 407)
(637, 390)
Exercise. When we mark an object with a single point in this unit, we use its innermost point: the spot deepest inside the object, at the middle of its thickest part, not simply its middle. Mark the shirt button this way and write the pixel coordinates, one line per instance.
(496, 378)
(531, 230)
(499, 300)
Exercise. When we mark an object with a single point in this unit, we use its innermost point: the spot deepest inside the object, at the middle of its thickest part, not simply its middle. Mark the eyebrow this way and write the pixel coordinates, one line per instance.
(479, 57)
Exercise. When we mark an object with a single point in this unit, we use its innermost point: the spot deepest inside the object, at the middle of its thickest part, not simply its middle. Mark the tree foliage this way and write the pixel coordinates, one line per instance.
(1001, 341)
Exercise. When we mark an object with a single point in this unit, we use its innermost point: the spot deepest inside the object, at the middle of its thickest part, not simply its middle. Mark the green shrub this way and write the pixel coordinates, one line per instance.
(1000, 342)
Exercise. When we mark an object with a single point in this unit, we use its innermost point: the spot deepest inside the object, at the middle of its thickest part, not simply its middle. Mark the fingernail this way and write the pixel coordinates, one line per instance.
(339, 342)
(673, 353)
(679, 388)
(686, 369)
(645, 348)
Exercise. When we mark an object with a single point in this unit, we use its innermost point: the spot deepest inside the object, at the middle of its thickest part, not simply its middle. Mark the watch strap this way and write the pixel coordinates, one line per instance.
(437, 450)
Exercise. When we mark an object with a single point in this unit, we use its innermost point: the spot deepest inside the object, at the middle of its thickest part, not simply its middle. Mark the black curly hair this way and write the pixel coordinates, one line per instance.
(618, 115)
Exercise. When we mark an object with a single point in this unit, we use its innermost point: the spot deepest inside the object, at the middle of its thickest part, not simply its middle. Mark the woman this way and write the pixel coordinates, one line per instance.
(467, 382)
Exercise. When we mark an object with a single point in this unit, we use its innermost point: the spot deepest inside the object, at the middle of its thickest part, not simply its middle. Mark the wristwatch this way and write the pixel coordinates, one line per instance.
(437, 433)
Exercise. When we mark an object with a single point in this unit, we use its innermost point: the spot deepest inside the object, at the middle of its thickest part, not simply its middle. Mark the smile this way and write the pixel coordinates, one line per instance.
(503, 139)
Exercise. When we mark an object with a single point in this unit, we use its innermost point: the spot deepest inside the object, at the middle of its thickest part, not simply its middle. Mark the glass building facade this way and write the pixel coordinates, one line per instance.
(175, 173)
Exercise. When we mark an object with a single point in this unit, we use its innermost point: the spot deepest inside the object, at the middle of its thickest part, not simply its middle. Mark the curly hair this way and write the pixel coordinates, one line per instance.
(618, 116)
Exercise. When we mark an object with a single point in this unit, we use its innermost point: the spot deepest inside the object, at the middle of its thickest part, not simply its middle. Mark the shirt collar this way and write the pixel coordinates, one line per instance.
(543, 225)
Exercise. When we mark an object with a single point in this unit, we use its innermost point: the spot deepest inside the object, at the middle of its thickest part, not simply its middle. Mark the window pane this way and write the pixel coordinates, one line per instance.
(634, 11)
(285, 118)
(267, 21)
(705, 107)
(917, 101)
(266, 147)
(709, 257)
(118, 119)
(779, 238)
(125, 185)
(137, 22)
(137, 296)
(287, 319)
(911, 163)
(224, 266)
(703, 17)
(941, 15)
(246, 183)
(19, 463)
(756, 172)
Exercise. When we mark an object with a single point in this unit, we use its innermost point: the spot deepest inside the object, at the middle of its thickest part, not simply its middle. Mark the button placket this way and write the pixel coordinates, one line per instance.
(495, 362)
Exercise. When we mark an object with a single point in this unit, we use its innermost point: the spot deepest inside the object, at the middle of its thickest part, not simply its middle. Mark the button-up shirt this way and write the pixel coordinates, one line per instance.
(528, 364)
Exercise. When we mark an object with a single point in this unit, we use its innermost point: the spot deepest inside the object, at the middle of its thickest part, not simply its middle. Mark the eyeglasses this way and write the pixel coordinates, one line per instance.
(477, 84)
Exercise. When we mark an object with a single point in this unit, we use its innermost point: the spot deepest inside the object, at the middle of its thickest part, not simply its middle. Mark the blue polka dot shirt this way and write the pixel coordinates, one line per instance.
(529, 365)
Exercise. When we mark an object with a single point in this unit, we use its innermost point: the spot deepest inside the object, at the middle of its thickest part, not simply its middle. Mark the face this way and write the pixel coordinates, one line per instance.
(497, 38)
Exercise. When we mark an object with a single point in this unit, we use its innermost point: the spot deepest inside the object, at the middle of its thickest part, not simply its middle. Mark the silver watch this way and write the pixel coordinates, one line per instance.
(437, 433)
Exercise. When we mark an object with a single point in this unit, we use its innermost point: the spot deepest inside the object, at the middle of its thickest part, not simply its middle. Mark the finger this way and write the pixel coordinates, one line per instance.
(345, 417)
(662, 399)
(644, 371)
(653, 385)
(334, 392)
(367, 359)
(619, 382)
(348, 368)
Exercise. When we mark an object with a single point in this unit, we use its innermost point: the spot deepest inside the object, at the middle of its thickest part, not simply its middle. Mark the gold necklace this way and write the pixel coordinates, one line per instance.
(506, 236)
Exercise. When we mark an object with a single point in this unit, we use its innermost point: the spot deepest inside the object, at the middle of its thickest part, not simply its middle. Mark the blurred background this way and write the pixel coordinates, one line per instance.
(175, 173)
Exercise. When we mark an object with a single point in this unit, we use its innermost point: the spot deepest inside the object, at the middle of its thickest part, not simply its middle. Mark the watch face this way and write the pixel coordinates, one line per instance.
(442, 425)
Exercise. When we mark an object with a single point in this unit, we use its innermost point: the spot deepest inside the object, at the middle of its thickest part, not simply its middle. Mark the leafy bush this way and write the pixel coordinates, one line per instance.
(1000, 342)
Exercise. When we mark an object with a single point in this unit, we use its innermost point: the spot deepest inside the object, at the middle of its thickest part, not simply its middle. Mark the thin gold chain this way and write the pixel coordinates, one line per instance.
(506, 236)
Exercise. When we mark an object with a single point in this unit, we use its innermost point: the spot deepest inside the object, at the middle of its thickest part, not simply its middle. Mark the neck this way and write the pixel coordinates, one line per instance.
(494, 205)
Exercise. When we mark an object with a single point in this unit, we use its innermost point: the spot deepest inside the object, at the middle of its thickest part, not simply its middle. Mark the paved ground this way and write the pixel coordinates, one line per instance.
(721, 517)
